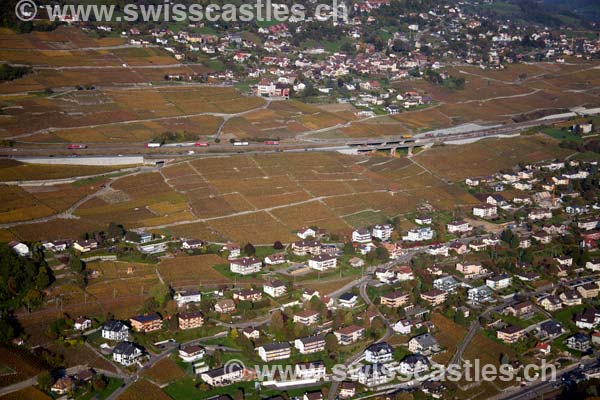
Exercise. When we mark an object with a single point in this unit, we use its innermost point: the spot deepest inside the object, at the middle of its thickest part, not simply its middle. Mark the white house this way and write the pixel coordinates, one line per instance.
(418, 234)
(115, 330)
(485, 211)
(458, 227)
(382, 232)
(322, 262)
(126, 353)
(361, 235)
(275, 288)
(306, 233)
(497, 282)
(348, 300)
(183, 297)
(20, 248)
(245, 265)
(380, 352)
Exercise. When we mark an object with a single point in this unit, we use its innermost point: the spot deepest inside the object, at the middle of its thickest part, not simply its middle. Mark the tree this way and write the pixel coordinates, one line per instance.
(115, 231)
(349, 248)
(160, 293)
(278, 245)
(249, 249)
(277, 323)
(45, 381)
(331, 344)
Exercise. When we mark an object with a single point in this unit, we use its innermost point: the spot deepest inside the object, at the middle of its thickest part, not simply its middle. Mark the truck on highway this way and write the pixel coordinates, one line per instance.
(201, 144)
(241, 143)
(77, 146)
(272, 142)
(152, 145)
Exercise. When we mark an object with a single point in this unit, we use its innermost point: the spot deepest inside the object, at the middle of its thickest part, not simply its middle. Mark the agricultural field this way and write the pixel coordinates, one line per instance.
(29, 393)
(164, 371)
(16, 365)
(143, 390)
(12, 170)
(186, 271)
(449, 335)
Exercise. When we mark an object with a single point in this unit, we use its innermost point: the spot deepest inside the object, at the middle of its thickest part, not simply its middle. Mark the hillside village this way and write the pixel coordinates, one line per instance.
(520, 267)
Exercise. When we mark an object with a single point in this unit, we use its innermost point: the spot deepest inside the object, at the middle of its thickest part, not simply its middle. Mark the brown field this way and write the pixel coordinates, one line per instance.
(143, 390)
(449, 335)
(11, 170)
(488, 156)
(22, 364)
(164, 371)
(192, 270)
(29, 393)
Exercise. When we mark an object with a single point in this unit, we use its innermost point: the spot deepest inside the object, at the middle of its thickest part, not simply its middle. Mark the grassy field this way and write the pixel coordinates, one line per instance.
(164, 371)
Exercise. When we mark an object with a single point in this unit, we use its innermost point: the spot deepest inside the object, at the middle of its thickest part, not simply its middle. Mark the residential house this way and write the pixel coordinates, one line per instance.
(114, 330)
(418, 235)
(275, 259)
(446, 283)
(85, 245)
(306, 317)
(63, 385)
(348, 300)
(570, 298)
(511, 334)
(349, 334)
(374, 375)
(588, 290)
(274, 351)
(551, 303)
(225, 306)
(589, 319)
(306, 247)
(379, 352)
(309, 293)
(361, 235)
(485, 211)
(183, 297)
(520, 310)
(310, 370)
(413, 364)
(458, 227)
(322, 262)
(435, 297)
(126, 353)
(423, 220)
(347, 390)
(275, 288)
(550, 329)
(470, 270)
(245, 265)
(190, 320)
(305, 233)
(251, 333)
(252, 295)
(542, 237)
(191, 353)
(223, 376)
(82, 323)
(579, 341)
(402, 327)
(310, 344)
(424, 344)
(498, 282)
(192, 244)
(593, 265)
(480, 294)
(233, 250)
(394, 299)
(404, 273)
(382, 232)
(146, 322)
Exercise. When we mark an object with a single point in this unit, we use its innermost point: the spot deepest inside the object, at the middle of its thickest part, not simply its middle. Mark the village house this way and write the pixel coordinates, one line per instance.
(394, 249)
(63, 385)
(85, 245)
(551, 303)
(347, 390)
(458, 227)
(402, 327)
(361, 235)
(310, 344)
(251, 333)
(511, 334)
(114, 330)
(579, 342)
(223, 376)
(404, 273)
(570, 298)
(520, 310)
(275, 259)
(192, 244)
(588, 290)
(184, 297)
(348, 300)
(190, 320)
(380, 352)
(309, 293)
(418, 235)
(480, 294)
(126, 353)
(233, 250)
(435, 297)
(245, 266)
(306, 247)
(485, 211)
(424, 344)
(413, 364)
(191, 354)
(470, 270)
(322, 262)
(252, 295)
(498, 282)
(306, 317)
(374, 375)
(146, 322)
(423, 220)
(225, 306)
(542, 237)
(275, 288)
(310, 370)
(349, 334)
(274, 351)
(394, 299)
(382, 232)
(82, 323)
(446, 283)
(305, 233)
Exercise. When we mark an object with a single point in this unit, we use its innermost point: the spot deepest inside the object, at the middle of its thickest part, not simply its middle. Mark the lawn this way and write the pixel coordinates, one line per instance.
(562, 134)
